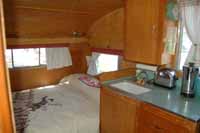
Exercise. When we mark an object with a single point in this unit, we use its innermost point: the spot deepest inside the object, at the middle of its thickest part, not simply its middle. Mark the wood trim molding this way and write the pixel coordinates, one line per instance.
(36, 46)
(108, 51)
(6, 115)
(55, 45)
(34, 41)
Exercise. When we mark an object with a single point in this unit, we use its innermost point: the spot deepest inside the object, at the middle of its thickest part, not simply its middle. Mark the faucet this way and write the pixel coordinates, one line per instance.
(143, 77)
(144, 73)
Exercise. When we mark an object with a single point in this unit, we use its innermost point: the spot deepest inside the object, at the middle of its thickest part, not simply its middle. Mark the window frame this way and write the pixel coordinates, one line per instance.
(26, 67)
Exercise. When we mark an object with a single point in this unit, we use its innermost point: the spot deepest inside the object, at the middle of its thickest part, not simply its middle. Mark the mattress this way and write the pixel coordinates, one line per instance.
(63, 108)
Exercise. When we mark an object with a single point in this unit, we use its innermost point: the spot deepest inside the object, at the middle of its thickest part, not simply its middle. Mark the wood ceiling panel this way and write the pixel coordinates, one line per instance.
(60, 4)
(54, 18)
(98, 5)
(33, 23)
(77, 5)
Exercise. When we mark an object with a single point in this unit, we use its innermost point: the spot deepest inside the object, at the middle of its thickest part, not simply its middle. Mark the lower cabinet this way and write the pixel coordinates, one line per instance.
(154, 120)
(117, 113)
(120, 114)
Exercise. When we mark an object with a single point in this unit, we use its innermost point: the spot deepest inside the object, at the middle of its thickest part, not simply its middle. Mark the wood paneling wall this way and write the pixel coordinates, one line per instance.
(108, 31)
(30, 23)
(28, 78)
(50, 18)
(116, 74)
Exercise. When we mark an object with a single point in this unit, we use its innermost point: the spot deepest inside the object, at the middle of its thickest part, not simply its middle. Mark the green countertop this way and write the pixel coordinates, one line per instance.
(167, 99)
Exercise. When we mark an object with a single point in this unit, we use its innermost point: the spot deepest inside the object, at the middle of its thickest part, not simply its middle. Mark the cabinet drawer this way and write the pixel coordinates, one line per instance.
(159, 124)
(155, 120)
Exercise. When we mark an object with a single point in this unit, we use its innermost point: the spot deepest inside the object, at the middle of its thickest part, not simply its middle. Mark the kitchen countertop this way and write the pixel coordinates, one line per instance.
(167, 99)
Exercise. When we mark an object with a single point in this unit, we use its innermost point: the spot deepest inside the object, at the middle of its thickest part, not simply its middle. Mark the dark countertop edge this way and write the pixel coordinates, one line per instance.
(132, 96)
(169, 111)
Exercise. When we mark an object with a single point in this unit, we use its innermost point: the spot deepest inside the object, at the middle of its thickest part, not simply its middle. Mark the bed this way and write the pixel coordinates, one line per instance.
(72, 106)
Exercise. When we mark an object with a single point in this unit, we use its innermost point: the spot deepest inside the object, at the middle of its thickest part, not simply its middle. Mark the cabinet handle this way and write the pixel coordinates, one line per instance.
(154, 31)
(159, 128)
(154, 28)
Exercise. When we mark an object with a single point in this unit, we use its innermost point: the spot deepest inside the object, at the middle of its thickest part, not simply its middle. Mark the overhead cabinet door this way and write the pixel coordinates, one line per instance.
(143, 31)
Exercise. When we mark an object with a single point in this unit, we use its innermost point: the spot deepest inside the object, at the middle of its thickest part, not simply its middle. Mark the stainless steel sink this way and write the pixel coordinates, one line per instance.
(130, 87)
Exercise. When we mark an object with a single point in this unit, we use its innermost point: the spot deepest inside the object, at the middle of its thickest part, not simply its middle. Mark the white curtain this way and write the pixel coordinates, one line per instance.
(190, 11)
(93, 65)
(58, 58)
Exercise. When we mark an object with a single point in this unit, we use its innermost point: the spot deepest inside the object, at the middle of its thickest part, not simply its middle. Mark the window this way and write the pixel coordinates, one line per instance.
(184, 48)
(107, 62)
(25, 57)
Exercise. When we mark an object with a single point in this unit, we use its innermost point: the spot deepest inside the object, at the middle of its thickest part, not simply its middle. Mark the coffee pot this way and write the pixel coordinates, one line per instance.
(189, 80)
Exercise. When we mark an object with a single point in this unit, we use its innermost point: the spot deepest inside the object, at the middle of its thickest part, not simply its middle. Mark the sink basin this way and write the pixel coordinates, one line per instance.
(130, 87)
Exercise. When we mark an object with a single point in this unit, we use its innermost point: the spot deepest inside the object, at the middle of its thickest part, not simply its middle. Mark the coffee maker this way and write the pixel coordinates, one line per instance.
(189, 79)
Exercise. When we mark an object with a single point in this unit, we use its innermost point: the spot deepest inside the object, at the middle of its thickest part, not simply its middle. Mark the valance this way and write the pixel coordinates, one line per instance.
(188, 2)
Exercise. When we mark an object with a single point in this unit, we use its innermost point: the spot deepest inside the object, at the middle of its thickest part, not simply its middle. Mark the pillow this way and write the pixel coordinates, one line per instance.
(90, 81)
(77, 81)
(82, 78)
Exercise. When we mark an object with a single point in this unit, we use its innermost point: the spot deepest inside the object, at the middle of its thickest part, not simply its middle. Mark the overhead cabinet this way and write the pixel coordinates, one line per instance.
(144, 28)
